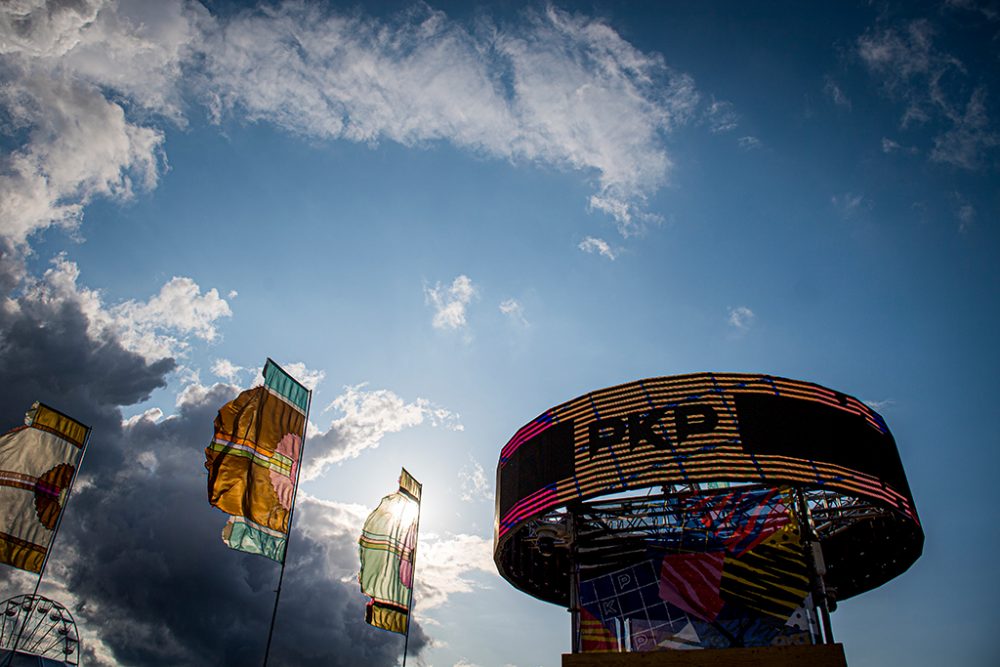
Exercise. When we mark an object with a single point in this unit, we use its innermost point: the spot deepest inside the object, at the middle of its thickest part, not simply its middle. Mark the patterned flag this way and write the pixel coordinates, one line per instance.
(37, 464)
(388, 545)
(253, 462)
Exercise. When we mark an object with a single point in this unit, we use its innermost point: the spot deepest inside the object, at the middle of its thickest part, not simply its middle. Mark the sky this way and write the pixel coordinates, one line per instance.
(449, 217)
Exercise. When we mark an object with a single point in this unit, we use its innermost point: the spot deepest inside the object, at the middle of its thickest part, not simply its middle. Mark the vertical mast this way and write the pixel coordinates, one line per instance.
(817, 568)
(574, 585)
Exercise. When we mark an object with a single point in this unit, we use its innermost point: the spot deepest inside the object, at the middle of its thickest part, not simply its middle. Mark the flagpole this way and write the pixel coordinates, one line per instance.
(413, 583)
(288, 539)
(55, 532)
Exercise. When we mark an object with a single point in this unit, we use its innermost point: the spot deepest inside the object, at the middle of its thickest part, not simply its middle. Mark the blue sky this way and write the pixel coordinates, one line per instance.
(450, 217)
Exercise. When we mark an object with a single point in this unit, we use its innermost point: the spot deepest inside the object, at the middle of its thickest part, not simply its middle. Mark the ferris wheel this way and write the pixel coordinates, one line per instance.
(40, 628)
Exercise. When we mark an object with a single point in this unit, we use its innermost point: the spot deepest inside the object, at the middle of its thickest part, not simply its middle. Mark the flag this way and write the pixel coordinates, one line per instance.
(253, 462)
(388, 546)
(37, 464)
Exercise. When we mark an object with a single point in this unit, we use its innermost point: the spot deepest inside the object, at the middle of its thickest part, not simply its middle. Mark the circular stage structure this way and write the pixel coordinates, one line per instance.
(703, 511)
(42, 631)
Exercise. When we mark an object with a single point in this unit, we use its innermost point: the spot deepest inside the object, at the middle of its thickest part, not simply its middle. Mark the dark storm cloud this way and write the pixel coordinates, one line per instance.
(139, 547)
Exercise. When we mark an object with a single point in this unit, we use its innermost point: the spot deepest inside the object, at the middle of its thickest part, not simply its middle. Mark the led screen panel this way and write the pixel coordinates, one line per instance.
(702, 428)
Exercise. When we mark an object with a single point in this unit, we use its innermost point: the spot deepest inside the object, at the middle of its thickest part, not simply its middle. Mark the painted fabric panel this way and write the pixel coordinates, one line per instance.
(772, 578)
(595, 637)
(387, 548)
(37, 464)
(244, 535)
(732, 573)
(253, 462)
(409, 486)
(691, 582)
(386, 616)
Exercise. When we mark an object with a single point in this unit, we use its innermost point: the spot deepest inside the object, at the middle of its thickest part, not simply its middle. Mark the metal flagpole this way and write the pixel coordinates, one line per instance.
(413, 582)
(55, 531)
(288, 539)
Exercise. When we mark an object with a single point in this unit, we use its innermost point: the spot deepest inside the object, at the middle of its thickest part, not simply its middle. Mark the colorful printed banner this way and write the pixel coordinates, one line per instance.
(37, 464)
(253, 462)
(387, 546)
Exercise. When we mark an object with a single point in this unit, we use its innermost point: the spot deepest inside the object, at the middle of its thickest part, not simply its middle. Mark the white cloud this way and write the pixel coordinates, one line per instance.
(336, 526)
(450, 302)
(134, 47)
(368, 416)
(194, 393)
(80, 146)
(834, 92)
(86, 81)
(969, 137)
(513, 309)
(966, 214)
(152, 415)
(226, 369)
(308, 377)
(155, 329)
(592, 244)
(446, 564)
(556, 88)
(179, 309)
(984, 9)
(721, 117)
(741, 318)
(878, 406)
(71, 70)
(748, 143)
(913, 70)
(473, 483)
(848, 203)
(889, 147)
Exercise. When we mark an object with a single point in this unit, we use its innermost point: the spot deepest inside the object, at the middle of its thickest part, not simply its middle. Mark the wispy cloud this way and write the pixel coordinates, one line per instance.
(450, 302)
(880, 405)
(473, 483)
(934, 87)
(833, 91)
(514, 311)
(367, 417)
(849, 203)
(592, 244)
(889, 147)
(741, 318)
(748, 143)
(965, 212)
(554, 87)
(971, 135)
(721, 117)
